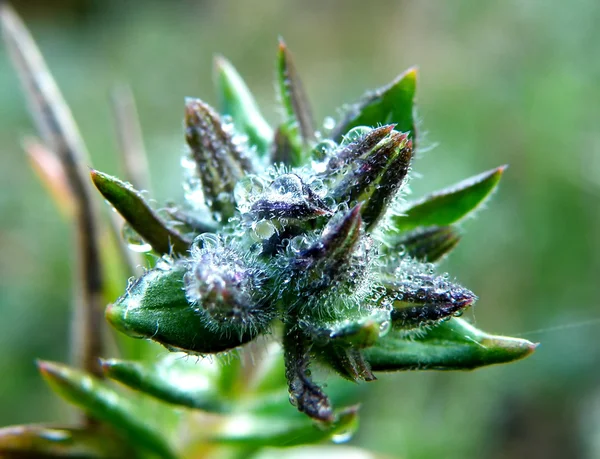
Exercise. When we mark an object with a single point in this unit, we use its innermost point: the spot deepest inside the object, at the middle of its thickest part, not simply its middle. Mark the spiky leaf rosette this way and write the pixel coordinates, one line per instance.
(316, 245)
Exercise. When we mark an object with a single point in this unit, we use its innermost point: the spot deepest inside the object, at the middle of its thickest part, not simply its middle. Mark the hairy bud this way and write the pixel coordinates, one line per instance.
(227, 293)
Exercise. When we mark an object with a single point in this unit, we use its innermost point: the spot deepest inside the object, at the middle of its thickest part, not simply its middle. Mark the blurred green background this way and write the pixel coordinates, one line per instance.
(514, 82)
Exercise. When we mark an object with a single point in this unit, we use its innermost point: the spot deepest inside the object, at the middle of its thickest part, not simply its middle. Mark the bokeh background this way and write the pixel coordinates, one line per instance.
(514, 82)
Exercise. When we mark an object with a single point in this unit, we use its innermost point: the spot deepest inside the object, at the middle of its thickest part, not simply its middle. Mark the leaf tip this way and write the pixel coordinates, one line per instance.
(510, 349)
(50, 371)
(412, 73)
(282, 47)
(499, 171)
(219, 61)
(222, 68)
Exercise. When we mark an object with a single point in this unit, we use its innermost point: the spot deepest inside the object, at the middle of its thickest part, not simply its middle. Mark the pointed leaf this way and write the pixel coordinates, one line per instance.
(156, 307)
(428, 245)
(451, 345)
(450, 205)
(236, 101)
(293, 97)
(36, 441)
(134, 209)
(104, 404)
(294, 136)
(173, 380)
(60, 134)
(392, 104)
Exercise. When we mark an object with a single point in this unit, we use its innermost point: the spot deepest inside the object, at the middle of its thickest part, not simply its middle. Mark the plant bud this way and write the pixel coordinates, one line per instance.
(219, 160)
(156, 307)
(356, 148)
(376, 176)
(423, 299)
(328, 259)
(226, 293)
(289, 197)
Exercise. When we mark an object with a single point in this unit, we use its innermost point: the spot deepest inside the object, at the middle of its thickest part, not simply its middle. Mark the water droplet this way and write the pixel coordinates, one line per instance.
(293, 400)
(188, 163)
(328, 123)
(288, 185)
(55, 435)
(343, 436)
(263, 229)
(324, 148)
(246, 191)
(355, 134)
(227, 123)
(384, 328)
(134, 240)
(318, 187)
(298, 244)
(207, 241)
(319, 166)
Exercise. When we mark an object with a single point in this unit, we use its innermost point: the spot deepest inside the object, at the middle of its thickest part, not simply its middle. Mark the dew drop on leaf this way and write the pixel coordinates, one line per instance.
(324, 148)
(134, 240)
(207, 241)
(263, 229)
(343, 436)
(355, 134)
(246, 191)
(384, 328)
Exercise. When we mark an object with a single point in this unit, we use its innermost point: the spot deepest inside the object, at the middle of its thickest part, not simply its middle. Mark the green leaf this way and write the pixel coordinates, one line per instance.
(451, 345)
(173, 380)
(236, 101)
(298, 125)
(428, 245)
(105, 404)
(36, 441)
(391, 104)
(136, 211)
(260, 431)
(155, 307)
(449, 205)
